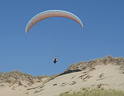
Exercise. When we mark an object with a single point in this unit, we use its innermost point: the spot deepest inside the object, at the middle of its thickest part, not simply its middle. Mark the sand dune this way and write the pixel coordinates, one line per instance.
(107, 73)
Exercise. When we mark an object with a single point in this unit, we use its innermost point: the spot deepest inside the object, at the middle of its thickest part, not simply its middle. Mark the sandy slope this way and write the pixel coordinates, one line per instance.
(103, 76)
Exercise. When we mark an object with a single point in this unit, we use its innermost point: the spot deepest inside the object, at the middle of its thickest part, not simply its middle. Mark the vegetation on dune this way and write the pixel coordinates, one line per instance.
(92, 63)
(94, 92)
(17, 77)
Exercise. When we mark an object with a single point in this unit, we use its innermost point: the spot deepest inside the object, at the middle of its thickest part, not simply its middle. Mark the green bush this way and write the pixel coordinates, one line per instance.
(94, 92)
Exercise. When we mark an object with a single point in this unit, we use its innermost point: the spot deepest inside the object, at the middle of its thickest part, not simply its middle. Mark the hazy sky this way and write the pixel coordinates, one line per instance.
(103, 34)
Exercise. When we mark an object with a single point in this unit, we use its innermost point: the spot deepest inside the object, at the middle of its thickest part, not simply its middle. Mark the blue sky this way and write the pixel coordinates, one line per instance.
(102, 35)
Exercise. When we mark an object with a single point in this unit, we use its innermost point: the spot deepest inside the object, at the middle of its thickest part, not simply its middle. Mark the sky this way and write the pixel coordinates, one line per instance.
(102, 35)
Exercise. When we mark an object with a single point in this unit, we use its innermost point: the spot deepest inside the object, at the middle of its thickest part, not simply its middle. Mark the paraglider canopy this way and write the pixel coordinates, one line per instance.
(52, 13)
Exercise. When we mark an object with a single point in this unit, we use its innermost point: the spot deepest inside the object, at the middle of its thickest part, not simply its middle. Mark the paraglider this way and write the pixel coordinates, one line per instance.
(55, 60)
(52, 13)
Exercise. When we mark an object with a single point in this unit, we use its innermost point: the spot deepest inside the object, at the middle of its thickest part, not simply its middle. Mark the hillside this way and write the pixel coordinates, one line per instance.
(101, 73)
